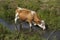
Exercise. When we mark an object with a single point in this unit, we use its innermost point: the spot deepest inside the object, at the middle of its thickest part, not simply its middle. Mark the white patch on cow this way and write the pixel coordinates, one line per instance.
(16, 17)
(16, 14)
(32, 12)
(30, 25)
(20, 8)
(42, 21)
(42, 25)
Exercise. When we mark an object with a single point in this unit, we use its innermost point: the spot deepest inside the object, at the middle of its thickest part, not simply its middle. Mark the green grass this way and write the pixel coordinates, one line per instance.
(49, 11)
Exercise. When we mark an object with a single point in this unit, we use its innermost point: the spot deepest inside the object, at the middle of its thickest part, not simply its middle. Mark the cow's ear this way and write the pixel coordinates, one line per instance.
(42, 21)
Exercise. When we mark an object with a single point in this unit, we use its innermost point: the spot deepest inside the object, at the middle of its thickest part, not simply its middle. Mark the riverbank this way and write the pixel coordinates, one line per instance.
(24, 34)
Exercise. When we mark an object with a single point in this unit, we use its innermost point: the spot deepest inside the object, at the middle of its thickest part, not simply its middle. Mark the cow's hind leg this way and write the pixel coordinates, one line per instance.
(16, 17)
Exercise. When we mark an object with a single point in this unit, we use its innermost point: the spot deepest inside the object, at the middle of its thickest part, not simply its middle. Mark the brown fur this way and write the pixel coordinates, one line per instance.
(37, 20)
(25, 15)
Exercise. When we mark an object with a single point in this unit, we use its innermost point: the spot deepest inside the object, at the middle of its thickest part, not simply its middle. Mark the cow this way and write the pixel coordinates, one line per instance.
(29, 16)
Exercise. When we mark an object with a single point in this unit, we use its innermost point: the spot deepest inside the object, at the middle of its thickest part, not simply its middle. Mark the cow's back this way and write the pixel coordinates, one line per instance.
(25, 14)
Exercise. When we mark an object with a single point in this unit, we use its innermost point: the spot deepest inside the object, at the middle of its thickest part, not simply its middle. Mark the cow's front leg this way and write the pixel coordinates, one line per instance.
(30, 24)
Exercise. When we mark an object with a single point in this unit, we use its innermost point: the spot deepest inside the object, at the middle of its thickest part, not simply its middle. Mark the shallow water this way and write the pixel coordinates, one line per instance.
(46, 34)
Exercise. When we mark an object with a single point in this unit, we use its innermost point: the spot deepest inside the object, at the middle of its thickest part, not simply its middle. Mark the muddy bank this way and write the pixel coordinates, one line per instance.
(49, 35)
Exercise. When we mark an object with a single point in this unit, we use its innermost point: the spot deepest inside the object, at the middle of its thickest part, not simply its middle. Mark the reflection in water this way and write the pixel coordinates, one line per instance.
(25, 25)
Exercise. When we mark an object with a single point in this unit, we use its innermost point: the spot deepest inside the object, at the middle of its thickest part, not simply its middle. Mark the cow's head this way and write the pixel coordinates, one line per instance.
(42, 25)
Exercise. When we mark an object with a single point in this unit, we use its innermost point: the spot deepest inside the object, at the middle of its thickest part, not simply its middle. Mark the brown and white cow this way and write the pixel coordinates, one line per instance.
(29, 16)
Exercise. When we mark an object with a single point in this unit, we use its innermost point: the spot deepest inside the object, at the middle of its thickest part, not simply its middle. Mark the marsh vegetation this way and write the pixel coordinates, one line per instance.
(48, 10)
